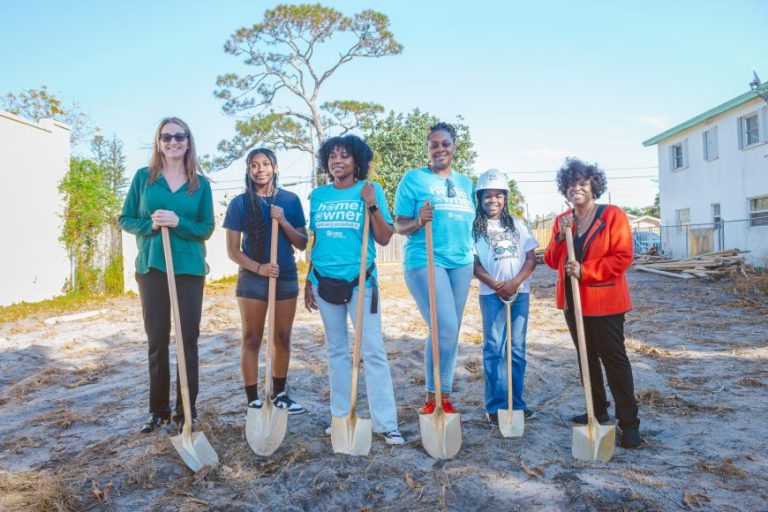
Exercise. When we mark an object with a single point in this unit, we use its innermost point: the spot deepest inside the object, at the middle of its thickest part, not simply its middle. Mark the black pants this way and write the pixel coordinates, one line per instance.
(156, 309)
(605, 343)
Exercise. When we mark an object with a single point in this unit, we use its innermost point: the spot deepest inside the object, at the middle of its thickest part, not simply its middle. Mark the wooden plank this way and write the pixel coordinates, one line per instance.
(644, 268)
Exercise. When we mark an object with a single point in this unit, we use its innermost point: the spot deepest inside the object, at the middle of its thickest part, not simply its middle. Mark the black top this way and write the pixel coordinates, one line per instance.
(578, 249)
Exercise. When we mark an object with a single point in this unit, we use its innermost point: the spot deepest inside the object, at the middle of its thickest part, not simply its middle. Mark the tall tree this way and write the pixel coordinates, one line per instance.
(399, 142)
(291, 54)
(109, 155)
(39, 104)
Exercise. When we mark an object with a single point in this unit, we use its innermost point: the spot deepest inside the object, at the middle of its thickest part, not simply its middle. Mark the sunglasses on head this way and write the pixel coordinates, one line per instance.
(450, 188)
(178, 137)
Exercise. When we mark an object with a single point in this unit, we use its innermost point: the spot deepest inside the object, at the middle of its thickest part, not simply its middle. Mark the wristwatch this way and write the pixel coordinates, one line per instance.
(373, 209)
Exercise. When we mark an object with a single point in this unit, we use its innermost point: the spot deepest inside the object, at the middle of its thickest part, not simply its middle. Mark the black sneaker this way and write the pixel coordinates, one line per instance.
(492, 417)
(283, 401)
(630, 437)
(180, 424)
(393, 437)
(154, 421)
(581, 419)
(530, 414)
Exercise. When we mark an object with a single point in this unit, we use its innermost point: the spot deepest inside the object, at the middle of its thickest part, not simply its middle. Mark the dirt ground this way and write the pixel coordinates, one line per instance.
(73, 394)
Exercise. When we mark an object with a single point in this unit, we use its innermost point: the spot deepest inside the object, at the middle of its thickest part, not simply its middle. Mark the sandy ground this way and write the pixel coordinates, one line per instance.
(72, 396)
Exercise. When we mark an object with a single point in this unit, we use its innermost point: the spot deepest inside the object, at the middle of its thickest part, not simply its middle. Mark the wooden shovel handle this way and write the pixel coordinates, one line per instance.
(272, 292)
(359, 313)
(585, 380)
(433, 314)
(181, 361)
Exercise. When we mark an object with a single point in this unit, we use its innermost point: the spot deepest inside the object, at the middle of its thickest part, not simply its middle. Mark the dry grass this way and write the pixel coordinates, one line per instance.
(43, 379)
(474, 366)
(654, 399)
(60, 417)
(35, 491)
(747, 381)
(753, 283)
(723, 469)
(648, 350)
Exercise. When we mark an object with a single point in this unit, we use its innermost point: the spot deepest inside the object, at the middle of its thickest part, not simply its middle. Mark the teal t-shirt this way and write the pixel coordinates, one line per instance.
(452, 224)
(336, 218)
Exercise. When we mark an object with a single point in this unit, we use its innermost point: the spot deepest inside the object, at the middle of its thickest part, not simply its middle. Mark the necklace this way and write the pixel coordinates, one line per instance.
(585, 221)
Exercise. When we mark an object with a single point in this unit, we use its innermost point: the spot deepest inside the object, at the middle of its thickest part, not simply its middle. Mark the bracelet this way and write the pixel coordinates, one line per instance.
(419, 224)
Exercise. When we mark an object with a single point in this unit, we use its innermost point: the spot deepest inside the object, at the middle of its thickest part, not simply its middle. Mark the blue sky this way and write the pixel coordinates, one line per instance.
(535, 81)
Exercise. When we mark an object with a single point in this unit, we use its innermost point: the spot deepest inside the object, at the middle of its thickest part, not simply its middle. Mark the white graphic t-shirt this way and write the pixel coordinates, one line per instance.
(503, 254)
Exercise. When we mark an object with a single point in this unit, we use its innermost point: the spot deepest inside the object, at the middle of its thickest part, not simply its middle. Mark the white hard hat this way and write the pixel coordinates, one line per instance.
(492, 179)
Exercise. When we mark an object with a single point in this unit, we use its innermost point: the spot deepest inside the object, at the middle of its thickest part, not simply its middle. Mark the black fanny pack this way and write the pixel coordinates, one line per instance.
(339, 291)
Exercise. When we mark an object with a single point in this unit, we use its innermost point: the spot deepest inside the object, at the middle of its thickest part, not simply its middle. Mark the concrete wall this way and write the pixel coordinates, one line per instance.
(34, 157)
(736, 175)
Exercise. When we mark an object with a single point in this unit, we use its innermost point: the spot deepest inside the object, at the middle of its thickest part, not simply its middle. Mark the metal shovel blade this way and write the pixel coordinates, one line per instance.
(265, 428)
(600, 445)
(195, 450)
(441, 433)
(511, 422)
(351, 435)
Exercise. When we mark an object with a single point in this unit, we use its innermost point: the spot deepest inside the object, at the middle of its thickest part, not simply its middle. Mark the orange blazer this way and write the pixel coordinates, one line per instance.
(608, 253)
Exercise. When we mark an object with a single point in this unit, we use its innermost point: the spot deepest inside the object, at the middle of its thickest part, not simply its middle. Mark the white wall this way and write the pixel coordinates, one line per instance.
(34, 157)
(736, 175)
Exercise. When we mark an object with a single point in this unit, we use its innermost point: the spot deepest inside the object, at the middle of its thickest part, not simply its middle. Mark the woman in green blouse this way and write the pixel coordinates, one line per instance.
(171, 193)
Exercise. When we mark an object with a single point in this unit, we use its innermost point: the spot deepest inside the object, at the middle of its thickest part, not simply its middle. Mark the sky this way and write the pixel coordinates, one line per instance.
(535, 82)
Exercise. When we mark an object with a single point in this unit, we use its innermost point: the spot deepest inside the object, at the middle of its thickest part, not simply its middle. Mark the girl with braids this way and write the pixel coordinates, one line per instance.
(437, 194)
(249, 217)
(504, 259)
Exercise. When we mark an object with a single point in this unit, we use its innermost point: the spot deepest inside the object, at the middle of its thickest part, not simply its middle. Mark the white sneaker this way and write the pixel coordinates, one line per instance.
(393, 437)
(328, 431)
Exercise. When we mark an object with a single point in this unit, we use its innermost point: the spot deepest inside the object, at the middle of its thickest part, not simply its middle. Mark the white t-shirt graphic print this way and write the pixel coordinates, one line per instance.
(503, 254)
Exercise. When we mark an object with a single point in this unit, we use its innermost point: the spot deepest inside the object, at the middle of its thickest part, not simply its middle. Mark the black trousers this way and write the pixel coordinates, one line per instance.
(605, 343)
(156, 309)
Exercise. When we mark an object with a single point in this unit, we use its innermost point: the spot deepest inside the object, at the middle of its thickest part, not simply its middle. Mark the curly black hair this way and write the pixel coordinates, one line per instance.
(574, 170)
(352, 144)
(444, 127)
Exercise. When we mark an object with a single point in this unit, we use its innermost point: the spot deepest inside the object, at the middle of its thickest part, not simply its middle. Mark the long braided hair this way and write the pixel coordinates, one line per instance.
(480, 224)
(256, 224)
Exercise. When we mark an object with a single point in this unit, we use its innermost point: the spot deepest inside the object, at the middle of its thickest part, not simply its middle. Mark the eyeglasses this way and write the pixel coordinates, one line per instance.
(450, 188)
(178, 137)
(501, 250)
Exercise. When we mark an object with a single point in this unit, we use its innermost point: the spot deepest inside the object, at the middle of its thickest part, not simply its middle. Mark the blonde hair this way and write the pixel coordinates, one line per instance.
(157, 160)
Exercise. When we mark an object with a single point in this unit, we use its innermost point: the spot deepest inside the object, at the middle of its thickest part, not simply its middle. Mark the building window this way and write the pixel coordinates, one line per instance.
(758, 211)
(683, 217)
(716, 218)
(750, 130)
(710, 144)
(679, 155)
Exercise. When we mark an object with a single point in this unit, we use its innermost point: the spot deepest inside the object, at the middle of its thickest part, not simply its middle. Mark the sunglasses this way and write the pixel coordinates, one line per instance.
(450, 188)
(178, 137)
(501, 250)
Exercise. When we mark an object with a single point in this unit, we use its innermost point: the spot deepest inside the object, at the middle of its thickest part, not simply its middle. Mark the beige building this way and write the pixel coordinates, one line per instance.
(34, 157)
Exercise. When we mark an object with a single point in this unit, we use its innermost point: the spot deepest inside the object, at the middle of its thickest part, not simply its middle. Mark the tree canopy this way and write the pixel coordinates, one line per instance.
(290, 55)
(37, 104)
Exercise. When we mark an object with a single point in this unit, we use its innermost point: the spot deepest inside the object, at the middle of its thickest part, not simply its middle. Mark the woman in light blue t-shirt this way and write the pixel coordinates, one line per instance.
(437, 194)
(336, 219)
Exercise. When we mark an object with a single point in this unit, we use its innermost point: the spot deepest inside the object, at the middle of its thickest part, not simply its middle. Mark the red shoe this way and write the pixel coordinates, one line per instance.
(448, 406)
(428, 408)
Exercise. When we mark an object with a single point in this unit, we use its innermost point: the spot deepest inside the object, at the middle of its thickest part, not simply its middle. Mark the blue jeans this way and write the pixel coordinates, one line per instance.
(494, 314)
(452, 288)
(378, 379)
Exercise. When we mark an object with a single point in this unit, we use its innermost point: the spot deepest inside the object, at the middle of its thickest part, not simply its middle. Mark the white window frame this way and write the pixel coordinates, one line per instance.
(683, 147)
(679, 220)
(761, 128)
(763, 213)
(709, 142)
(717, 216)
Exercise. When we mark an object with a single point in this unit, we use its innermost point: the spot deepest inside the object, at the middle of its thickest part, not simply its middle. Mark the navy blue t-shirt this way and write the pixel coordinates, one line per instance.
(237, 220)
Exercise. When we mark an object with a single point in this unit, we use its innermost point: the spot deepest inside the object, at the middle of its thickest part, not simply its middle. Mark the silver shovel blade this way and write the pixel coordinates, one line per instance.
(351, 435)
(441, 434)
(195, 450)
(265, 428)
(511, 422)
(600, 445)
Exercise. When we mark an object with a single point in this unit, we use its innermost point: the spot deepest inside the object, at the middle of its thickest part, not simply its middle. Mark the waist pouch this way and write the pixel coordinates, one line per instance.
(339, 291)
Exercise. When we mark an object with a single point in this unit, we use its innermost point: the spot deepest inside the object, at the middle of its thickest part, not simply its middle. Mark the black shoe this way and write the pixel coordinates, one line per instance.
(492, 417)
(630, 437)
(154, 421)
(581, 419)
(180, 424)
(530, 414)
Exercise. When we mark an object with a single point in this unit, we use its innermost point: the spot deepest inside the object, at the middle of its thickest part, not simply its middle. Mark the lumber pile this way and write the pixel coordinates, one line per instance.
(711, 265)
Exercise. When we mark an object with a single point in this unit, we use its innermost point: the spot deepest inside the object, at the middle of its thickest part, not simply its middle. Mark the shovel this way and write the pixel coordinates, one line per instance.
(511, 422)
(440, 431)
(194, 448)
(592, 441)
(265, 427)
(350, 434)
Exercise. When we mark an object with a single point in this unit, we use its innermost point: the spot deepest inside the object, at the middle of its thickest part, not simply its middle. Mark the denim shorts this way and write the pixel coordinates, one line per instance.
(254, 286)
